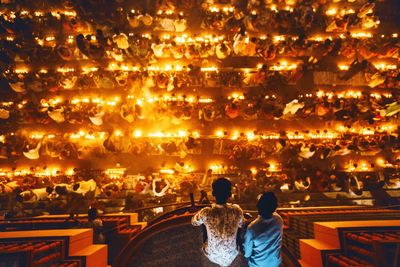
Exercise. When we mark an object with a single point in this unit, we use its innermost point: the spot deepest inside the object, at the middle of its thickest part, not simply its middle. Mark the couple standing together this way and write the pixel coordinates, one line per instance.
(263, 237)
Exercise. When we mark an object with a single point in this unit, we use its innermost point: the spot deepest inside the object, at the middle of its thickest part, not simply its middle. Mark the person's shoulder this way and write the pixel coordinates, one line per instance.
(205, 210)
(255, 222)
(277, 218)
(237, 207)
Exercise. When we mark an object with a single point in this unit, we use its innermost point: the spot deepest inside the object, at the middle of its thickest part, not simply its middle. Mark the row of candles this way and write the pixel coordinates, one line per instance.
(213, 38)
(114, 100)
(248, 135)
(216, 167)
(331, 11)
(115, 66)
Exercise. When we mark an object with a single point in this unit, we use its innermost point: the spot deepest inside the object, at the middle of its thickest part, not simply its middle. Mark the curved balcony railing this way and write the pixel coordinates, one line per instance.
(171, 238)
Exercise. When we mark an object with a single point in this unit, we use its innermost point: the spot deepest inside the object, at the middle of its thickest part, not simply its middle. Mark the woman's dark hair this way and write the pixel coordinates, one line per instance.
(267, 204)
(222, 188)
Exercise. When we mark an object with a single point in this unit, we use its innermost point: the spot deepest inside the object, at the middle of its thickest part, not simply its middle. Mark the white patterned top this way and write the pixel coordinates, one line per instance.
(222, 223)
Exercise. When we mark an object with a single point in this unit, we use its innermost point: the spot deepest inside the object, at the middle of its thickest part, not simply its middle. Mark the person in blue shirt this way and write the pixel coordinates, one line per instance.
(263, 238)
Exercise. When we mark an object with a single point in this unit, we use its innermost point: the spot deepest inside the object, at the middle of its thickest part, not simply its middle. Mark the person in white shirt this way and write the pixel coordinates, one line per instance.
(84, 187)
(56, 114)
(222, 51)
(33, 153)
(121, 40)
(60, 190)
(222, 221)
(37, 194)
(180, 24)
(8, 187)
(158, 49)
(302, 185)
(160, 187)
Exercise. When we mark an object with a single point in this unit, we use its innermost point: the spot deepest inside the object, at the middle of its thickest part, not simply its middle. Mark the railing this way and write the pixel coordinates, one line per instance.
(134, 245)
(173, 220)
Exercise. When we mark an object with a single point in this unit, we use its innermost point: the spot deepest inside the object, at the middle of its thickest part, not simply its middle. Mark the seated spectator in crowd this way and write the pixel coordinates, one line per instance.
(37, 194)
(222, 221)
(263, 238)
(302, 184)
(85, 187)
(96, 224)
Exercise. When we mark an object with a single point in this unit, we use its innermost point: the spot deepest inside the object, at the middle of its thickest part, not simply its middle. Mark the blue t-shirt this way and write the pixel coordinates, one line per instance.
(262, 242)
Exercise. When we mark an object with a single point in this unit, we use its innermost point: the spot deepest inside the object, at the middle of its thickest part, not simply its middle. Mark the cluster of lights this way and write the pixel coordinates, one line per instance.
(361, 35)
(86, 100)
(283, 66)
(115, 173)
(296, 135)
(363, 166)
(179, 134)
(119, 67)
(47, 172)
(218, 168)
(367, 131)
(334, 11)
(379, 66)
(347, 94)
(38, 13)
(185, 39)
(167, 171)
(167, 12)
(89, 136)
(279, 66)
(113, 101)
(224, 9)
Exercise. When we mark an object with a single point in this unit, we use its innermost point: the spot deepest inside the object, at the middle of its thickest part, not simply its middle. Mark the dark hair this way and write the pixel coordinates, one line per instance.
(92, 214)
(49, 189)
(76, 186)
(19, 198)
(221, 190)
(61, 190)
(267, 204)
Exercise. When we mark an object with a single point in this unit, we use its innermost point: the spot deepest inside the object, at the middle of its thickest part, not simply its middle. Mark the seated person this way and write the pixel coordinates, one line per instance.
(35, 195)
(84, 187)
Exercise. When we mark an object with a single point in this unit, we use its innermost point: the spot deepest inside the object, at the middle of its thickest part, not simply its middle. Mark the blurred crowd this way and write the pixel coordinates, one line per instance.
(33, 195)
(80, 77)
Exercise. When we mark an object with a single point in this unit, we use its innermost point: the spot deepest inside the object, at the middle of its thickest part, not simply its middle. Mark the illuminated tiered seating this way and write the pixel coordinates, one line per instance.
(355, 242)
(299, 223)
(62, 247)
(118, 228)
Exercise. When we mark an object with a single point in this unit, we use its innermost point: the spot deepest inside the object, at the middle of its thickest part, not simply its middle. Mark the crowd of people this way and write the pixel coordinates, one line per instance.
(83, 79)
(91, 112)
(31, 194)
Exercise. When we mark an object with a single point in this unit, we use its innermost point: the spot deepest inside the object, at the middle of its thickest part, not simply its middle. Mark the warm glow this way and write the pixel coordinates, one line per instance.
(118, 133)
(219, 134)
(137, 133)
(167, 171)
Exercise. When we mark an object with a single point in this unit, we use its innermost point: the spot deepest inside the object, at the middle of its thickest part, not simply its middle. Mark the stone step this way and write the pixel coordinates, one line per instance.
(96, 255)
(311, 251)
